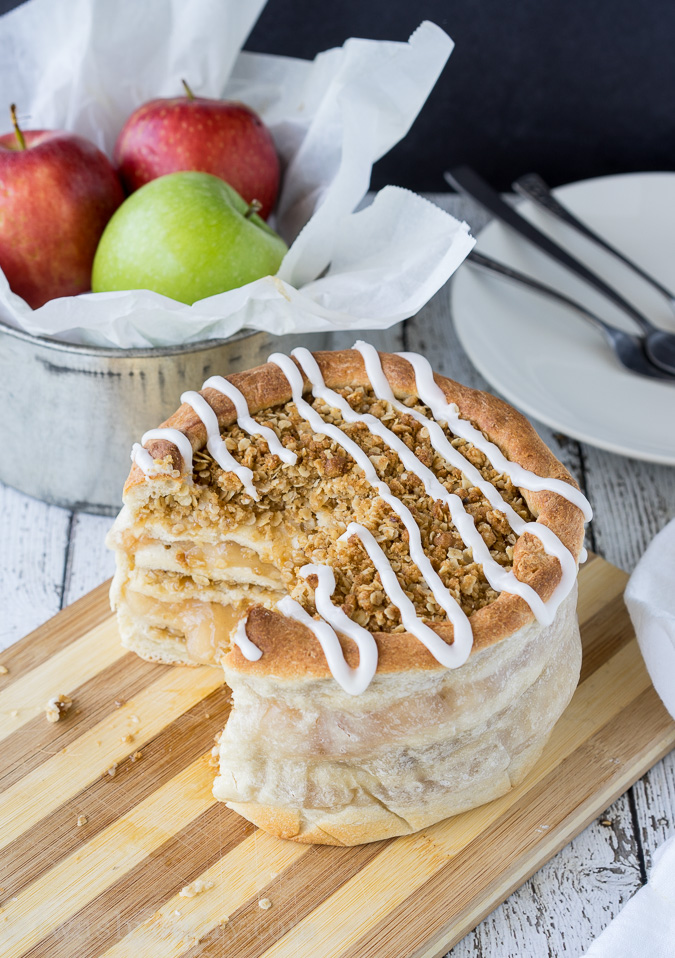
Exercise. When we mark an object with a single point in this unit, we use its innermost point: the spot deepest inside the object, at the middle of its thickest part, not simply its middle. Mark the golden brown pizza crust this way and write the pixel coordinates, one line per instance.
(290, 649)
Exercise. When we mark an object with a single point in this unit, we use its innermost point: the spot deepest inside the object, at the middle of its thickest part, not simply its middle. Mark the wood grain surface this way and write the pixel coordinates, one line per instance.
(107, 814)
(51, 557)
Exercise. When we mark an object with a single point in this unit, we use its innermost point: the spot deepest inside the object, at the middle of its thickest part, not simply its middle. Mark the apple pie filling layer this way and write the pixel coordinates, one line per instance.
(204, 627)
(305, 507)
(132, 533)
(226, 561)
(171, 586)
(189, 594)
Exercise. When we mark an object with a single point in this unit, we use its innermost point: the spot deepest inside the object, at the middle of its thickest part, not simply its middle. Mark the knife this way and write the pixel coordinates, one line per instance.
(467, 181)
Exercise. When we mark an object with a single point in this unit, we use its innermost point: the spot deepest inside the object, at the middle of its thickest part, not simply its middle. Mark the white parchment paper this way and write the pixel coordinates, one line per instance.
(85, 65)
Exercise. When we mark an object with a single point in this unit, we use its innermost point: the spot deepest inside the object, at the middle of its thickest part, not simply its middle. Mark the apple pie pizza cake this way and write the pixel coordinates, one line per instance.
(383, 562)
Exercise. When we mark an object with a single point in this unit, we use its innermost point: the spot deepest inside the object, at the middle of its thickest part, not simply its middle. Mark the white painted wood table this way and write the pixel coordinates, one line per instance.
(51, 556)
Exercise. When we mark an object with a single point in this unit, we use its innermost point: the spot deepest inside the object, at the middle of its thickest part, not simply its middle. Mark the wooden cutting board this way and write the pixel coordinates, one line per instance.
(131, 762)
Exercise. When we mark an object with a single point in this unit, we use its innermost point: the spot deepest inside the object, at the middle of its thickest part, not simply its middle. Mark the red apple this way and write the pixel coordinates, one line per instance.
(221, 137)
(57, 192)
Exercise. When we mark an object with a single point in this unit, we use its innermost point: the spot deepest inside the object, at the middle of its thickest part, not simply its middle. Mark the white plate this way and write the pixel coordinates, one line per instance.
(546, 360)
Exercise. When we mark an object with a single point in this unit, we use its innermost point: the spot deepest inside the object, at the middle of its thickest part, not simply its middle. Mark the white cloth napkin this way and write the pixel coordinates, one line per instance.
(646, 926)
(650, 597)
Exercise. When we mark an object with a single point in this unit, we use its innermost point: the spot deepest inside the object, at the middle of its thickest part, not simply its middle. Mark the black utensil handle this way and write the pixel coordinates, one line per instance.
(466, 181)
(532, 187)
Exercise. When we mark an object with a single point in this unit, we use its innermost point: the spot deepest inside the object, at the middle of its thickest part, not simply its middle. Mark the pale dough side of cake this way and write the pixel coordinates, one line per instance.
(307, 762)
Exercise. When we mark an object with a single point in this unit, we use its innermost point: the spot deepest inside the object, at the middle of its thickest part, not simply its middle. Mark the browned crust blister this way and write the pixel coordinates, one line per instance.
(289, 649)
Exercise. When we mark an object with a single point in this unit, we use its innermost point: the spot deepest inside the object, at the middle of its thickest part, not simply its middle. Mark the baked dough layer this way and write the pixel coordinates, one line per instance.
(305, 761)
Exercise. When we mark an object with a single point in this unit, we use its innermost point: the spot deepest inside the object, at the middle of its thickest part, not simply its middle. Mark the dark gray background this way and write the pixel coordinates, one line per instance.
(570, 89)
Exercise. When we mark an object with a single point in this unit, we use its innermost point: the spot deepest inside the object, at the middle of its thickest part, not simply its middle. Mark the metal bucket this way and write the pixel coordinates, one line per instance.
(70, 413)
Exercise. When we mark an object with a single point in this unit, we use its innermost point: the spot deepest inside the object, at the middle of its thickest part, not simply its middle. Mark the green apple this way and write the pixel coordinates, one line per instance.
(188, 236)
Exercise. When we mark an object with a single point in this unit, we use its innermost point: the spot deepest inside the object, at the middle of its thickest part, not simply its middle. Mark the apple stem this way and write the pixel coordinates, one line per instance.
(188, 91)
(17, 129)
(253, 207)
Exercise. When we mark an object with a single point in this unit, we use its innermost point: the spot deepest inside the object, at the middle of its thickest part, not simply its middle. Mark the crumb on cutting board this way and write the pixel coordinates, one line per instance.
(265, 903)
(195, 888)
(57, 706)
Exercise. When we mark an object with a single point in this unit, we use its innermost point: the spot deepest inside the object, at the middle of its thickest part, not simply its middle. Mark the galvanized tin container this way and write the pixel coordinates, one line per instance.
(70, 413)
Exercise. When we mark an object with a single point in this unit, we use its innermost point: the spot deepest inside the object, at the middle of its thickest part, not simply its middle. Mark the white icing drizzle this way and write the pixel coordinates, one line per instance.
(142, 458)
(452, 656)
(341, 672)
(215, 443)
(178, 438)
(451, 608)
(354, 681)
(246, 422)
(432, 396)
(241, 639)
(501, 580)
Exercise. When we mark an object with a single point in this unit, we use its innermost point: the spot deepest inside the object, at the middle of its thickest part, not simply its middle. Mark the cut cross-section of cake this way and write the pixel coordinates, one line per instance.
(384, 563)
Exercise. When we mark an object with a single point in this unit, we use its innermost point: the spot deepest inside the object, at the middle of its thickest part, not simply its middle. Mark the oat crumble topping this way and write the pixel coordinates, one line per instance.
(309, 504)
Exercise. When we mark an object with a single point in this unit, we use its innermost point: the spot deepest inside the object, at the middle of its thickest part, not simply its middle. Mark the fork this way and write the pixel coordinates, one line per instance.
(533, 187)
(659, 344)
(626, 346)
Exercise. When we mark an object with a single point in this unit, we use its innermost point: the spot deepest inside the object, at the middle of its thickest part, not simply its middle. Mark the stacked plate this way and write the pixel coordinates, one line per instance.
(545, 359)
